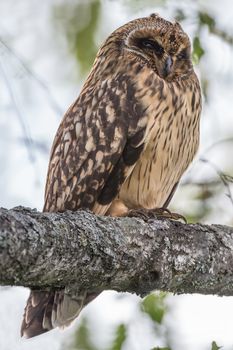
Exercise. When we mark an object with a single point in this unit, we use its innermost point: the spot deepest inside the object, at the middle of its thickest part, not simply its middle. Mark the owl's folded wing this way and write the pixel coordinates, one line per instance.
(95, 149)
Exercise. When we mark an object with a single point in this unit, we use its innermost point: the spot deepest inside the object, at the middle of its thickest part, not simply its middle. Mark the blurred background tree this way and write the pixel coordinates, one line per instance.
(46, 51)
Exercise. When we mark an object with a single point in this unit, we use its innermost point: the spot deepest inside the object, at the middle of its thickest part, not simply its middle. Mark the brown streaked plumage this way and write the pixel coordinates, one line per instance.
(125, 142)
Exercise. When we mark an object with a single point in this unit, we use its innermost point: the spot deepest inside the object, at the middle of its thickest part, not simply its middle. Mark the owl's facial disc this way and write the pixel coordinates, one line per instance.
(166, 49)
(155, 54)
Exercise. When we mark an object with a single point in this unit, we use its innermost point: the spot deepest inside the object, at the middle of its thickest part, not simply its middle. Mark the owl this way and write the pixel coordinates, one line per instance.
(124, 143)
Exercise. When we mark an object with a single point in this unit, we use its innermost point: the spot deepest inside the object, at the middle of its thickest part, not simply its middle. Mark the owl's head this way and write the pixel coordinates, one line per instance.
(158, 43)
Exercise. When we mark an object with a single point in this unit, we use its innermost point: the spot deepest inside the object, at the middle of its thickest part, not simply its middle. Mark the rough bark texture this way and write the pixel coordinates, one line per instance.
(82, 251)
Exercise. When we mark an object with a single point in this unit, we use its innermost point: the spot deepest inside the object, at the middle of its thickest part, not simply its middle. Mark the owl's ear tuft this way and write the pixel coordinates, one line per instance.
(154, 15)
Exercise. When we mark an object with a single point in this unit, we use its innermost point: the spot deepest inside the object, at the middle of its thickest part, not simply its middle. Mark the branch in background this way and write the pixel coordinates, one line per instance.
(82, 251)
(57, 109)
(27, 137)
(208, 188)
(208, 20)
(39, 145)
(226, 179)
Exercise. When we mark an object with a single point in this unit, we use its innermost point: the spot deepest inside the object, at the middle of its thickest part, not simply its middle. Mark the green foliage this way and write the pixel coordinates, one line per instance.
(215, 346)
(154, 306)
(121, 333)
(198, 50)
(82, 338)
(79, 22)
(84, 43)
(206, 19)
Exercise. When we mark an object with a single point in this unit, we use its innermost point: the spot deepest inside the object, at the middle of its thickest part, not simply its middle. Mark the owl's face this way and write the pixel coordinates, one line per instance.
(158, 43)
(162, 45)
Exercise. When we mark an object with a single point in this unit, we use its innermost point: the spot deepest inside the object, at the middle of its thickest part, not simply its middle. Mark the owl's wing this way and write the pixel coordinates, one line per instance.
(96, 146)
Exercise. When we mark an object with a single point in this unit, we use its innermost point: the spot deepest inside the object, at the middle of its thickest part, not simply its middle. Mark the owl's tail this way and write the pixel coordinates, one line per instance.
(47, 310)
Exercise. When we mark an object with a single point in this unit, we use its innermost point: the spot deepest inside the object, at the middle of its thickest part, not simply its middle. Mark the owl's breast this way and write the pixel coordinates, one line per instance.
(170, 147)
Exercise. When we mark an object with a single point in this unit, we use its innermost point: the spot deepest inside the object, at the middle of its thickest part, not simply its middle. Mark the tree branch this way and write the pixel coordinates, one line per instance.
(81, 251)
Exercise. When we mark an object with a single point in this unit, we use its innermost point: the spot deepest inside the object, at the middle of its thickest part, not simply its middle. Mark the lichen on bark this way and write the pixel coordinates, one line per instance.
(82, 251)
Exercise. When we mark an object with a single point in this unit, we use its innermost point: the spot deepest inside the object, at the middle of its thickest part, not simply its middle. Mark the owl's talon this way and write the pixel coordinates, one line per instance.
(140, 213)
(158, 213)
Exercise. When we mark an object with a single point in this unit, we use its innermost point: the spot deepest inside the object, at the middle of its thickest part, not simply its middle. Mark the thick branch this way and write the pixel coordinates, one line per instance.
(88, 252)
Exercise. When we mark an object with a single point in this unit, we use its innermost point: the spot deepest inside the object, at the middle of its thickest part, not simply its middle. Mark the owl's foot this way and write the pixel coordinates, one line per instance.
(157, 213)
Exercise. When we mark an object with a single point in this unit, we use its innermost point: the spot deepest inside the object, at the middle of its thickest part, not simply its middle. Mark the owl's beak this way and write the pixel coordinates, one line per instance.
(167, 67)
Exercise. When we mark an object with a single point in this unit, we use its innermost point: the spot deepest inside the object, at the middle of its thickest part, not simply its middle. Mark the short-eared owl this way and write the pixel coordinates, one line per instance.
(125, 142)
